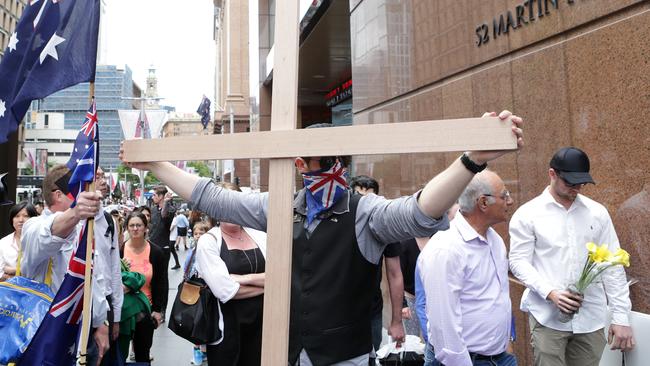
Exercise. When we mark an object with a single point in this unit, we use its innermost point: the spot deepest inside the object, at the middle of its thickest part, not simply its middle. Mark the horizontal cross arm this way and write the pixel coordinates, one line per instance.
(390, 138)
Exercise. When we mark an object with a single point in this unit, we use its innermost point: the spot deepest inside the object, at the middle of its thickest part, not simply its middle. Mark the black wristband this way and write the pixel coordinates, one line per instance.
(470, 165)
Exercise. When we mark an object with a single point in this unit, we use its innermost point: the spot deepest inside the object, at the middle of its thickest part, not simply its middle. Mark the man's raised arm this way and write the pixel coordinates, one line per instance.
(445, 188)
(180, 181)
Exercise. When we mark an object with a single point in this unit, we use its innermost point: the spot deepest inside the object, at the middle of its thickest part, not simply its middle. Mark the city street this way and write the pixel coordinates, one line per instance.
(168, 348)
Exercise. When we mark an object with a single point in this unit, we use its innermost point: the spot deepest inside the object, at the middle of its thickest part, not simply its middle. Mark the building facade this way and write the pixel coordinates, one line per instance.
(46, 131)
(111, 85)
(10, 12)
(576, 71)
(232, 85)
(185, 124)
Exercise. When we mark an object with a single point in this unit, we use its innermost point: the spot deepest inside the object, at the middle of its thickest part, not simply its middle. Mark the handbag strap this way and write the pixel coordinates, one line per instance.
(190, 264)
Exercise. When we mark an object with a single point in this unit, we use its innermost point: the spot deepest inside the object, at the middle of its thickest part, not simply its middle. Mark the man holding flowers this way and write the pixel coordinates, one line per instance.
(566, 277)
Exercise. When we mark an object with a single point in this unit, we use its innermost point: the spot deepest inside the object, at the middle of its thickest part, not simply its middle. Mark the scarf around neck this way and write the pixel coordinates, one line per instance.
(324, 189)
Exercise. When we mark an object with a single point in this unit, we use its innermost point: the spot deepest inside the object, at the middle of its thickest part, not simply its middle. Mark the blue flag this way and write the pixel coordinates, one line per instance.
(85, 154)
(204, 111)
(56, 340)
(54, 46)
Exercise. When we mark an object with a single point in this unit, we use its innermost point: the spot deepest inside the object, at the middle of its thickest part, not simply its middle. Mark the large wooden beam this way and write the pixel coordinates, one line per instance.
(390, 138)
(284, 116)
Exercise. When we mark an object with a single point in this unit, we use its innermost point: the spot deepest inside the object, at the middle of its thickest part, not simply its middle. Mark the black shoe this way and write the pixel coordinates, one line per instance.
(176, 267)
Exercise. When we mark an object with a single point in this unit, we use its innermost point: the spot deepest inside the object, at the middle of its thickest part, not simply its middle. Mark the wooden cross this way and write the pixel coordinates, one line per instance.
(283, 143)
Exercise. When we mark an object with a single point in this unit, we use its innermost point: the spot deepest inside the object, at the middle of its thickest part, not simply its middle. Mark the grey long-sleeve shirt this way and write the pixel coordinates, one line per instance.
(379, 221)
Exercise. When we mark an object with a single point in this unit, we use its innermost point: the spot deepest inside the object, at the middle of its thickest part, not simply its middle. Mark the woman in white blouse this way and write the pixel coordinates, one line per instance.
(10, 244)
(231, 259)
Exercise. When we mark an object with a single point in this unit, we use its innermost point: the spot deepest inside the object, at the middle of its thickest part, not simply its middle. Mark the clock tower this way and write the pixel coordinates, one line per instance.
(152, 89)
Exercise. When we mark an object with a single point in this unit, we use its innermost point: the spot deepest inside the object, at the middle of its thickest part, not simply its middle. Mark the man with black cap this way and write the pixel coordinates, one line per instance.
(547, 252)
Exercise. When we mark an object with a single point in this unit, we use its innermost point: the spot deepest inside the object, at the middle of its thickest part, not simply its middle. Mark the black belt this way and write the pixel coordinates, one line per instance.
(480, 357)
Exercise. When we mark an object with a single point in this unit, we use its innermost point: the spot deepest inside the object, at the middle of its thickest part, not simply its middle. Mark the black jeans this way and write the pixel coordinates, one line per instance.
(171, 248)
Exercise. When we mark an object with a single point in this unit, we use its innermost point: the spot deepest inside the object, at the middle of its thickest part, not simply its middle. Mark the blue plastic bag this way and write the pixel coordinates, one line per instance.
(23, 305)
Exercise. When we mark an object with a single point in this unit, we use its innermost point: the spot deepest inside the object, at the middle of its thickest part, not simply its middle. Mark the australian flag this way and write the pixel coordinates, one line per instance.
(85, 154)
(55, 341)
(54, 46)
(324, 188)
(204, 111)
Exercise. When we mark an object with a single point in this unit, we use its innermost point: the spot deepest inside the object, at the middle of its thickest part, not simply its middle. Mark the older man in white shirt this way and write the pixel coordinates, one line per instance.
(547, 251)
(464, 272)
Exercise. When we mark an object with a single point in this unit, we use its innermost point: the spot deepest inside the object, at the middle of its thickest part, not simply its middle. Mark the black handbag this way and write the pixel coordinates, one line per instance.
(195, 313)
(402, 359)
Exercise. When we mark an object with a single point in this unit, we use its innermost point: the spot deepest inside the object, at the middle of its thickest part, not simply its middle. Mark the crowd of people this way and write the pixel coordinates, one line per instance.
(446, 267)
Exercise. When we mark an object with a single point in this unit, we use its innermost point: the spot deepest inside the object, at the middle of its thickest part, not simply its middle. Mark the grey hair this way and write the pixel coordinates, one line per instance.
(477, 186)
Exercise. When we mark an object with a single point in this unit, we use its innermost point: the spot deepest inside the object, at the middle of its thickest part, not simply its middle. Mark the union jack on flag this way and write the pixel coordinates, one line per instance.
(90, 123)
(76, 270)
(85, 154)
(55, 341)
(324, 188)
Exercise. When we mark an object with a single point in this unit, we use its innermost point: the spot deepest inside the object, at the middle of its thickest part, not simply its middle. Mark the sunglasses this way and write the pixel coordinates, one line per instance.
(570, 185)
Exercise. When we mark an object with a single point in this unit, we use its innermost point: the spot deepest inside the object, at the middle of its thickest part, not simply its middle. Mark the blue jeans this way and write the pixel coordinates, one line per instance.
(505, 359)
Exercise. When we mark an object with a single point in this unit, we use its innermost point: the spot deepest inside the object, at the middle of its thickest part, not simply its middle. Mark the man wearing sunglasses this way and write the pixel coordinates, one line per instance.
(547, 252)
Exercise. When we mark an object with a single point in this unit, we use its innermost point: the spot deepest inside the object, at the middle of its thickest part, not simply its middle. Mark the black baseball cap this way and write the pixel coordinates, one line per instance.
(572, 165)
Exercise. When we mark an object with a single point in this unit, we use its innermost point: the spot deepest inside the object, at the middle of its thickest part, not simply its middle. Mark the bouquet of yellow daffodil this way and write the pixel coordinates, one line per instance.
(599, 259)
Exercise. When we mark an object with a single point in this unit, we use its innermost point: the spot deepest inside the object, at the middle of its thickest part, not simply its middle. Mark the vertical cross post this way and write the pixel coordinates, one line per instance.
(284, 110)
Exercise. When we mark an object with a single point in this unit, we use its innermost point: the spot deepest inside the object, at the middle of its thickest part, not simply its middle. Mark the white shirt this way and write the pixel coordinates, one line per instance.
(107, 269)
(8, 252)
(39, 245)
(212, 269)
(465, 280)
(173, 234)
(547, 252)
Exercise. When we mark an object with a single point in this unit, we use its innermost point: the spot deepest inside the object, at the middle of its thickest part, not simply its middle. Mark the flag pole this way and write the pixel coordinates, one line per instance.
(87, 306)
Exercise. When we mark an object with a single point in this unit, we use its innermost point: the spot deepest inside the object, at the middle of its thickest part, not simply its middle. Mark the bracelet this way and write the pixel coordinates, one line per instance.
(470, 165)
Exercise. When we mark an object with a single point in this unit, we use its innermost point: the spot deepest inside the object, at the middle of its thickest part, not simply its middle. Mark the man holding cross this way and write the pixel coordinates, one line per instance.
(338, 239)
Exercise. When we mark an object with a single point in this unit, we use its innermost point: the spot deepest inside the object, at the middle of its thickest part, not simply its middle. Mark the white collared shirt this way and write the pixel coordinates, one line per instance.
(39, 245)
(547, 252)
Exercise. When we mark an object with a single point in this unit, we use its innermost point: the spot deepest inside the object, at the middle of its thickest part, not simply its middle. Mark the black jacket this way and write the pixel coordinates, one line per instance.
(159, 278)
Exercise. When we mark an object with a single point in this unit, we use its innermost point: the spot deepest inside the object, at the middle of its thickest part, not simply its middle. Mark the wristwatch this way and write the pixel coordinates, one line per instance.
(106, 323)
(470, 165)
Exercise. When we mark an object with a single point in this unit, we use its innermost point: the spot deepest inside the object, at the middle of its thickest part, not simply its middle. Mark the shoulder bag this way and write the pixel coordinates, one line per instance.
(195, 313)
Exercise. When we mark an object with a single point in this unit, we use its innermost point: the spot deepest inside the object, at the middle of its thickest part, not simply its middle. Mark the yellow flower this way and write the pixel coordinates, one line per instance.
(591, 247)
(600, 254)
(620, 257)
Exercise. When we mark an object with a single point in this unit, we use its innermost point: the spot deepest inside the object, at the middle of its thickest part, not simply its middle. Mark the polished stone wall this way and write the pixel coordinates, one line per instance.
(579, 75)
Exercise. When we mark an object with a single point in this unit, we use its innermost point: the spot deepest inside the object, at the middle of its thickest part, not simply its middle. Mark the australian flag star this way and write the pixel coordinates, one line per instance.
(53, 47)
